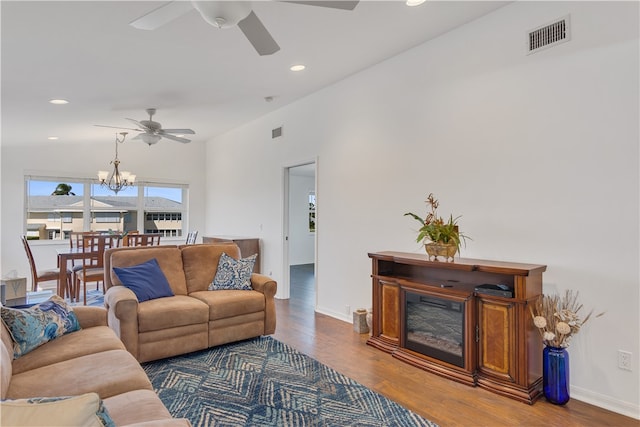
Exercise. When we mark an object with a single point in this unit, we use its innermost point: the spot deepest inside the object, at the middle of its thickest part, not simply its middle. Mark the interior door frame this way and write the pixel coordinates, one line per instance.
(286, 281)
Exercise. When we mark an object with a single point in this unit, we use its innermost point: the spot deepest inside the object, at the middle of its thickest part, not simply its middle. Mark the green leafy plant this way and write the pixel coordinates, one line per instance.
(63, 190)
(435, 228)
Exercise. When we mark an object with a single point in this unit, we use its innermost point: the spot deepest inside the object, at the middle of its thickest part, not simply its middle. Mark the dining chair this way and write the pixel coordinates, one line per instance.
(75, 242)
(125, 236)
(147, 239)
(93, 247)
(191, 237)
(48, 275)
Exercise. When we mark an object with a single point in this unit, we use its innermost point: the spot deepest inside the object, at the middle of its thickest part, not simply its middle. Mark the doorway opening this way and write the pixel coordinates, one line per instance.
(300, 234)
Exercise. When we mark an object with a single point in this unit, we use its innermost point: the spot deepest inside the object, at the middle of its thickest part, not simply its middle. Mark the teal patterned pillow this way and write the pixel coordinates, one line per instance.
(104, 417)
(34, 326)
(233, 273)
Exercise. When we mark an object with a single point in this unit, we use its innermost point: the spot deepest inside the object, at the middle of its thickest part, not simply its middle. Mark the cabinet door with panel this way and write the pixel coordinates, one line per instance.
(390, 315)
(386, 315)
(496, 334)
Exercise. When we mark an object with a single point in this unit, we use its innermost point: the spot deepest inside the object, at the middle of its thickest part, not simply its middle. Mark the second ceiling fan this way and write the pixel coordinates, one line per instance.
(151, 131)
(226, 14)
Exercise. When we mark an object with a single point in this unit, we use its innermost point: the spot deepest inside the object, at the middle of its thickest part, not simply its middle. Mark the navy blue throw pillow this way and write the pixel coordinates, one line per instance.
(146, 280)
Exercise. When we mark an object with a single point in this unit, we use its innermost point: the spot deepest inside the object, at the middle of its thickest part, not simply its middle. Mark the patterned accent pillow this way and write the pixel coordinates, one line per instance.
(233, 273)
(34, 326)
(104, 417)
(83, 410)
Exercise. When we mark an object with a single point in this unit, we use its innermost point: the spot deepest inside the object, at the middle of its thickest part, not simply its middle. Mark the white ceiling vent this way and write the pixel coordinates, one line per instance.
(549, 35)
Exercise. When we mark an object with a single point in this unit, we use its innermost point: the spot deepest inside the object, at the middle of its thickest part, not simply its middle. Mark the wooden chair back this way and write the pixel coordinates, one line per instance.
(93, 247)
(32, 264)
(76, 241)
(147, 239)
(125, 237)
(191, 238)
(52, 274)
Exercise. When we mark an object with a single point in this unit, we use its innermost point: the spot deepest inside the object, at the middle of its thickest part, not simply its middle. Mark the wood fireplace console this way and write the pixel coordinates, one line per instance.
(502, 351)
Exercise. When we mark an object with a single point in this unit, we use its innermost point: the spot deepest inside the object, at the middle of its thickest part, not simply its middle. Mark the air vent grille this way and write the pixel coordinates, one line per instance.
(276, 133)
(549, 35)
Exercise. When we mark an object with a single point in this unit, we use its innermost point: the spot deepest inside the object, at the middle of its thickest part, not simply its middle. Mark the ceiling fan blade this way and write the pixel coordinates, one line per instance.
(162, 15)
(258, 35)
(175, 138)
(137, 136)
(119, 127)
(184, 131)
(337, 4)
(140, 125)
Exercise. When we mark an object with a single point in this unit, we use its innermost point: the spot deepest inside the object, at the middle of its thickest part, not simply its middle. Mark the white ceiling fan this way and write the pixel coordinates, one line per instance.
(227, 14)
(151, 132)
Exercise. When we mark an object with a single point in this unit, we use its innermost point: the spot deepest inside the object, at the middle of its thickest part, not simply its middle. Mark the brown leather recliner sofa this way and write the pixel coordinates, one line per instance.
(195, 318)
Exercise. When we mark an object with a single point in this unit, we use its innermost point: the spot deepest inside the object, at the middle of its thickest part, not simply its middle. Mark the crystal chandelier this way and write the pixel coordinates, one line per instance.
(117, 180)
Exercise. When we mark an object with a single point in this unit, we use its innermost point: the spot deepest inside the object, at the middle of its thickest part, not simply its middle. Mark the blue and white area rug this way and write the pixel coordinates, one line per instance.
(263, 382)
(94, 298)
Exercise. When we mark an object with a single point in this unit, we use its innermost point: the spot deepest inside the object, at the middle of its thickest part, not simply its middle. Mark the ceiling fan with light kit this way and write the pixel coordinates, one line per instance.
(227, 14)
(151, 132)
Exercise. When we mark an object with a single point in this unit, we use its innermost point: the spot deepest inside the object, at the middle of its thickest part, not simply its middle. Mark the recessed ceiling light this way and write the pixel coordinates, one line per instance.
(53, 138)
(415, 2)
(298, 67)
(58, 101)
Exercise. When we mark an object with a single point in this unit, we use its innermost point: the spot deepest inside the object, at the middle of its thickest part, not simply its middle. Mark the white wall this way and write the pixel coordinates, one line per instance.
(301, 241)
(163, 162)
(538, 153)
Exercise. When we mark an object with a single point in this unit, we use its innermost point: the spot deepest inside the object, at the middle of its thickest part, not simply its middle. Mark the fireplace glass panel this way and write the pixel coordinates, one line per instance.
(435, 327)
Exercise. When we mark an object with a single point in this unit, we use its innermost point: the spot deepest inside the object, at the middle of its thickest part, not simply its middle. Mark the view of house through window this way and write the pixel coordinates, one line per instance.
(163, 210)
(57, 206)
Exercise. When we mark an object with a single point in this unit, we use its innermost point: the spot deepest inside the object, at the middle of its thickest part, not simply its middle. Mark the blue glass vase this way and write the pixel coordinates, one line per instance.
(555, 374)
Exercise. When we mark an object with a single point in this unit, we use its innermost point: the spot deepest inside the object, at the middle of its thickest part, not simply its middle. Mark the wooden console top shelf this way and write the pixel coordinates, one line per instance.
(500, 348)
(468, 264)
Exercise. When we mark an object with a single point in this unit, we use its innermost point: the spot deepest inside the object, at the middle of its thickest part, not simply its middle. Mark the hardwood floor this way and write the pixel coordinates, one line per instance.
(334, 343)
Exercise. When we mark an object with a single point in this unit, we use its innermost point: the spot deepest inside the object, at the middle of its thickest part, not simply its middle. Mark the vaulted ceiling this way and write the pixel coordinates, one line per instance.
(197, 76)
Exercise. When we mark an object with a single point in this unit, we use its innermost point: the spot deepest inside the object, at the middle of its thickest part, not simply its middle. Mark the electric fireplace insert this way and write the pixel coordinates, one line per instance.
(434, 326)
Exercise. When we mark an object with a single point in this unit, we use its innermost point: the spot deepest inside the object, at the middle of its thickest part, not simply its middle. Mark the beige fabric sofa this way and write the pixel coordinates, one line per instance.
(92, 359)
(194, 318)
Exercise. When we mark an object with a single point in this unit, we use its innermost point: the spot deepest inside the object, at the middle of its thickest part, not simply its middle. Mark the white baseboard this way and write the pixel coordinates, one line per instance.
(334, 314)
(619, 406)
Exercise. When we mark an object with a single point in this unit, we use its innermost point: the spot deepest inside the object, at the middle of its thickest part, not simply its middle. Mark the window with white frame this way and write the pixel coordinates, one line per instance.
(55, 206)
(163, 209)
